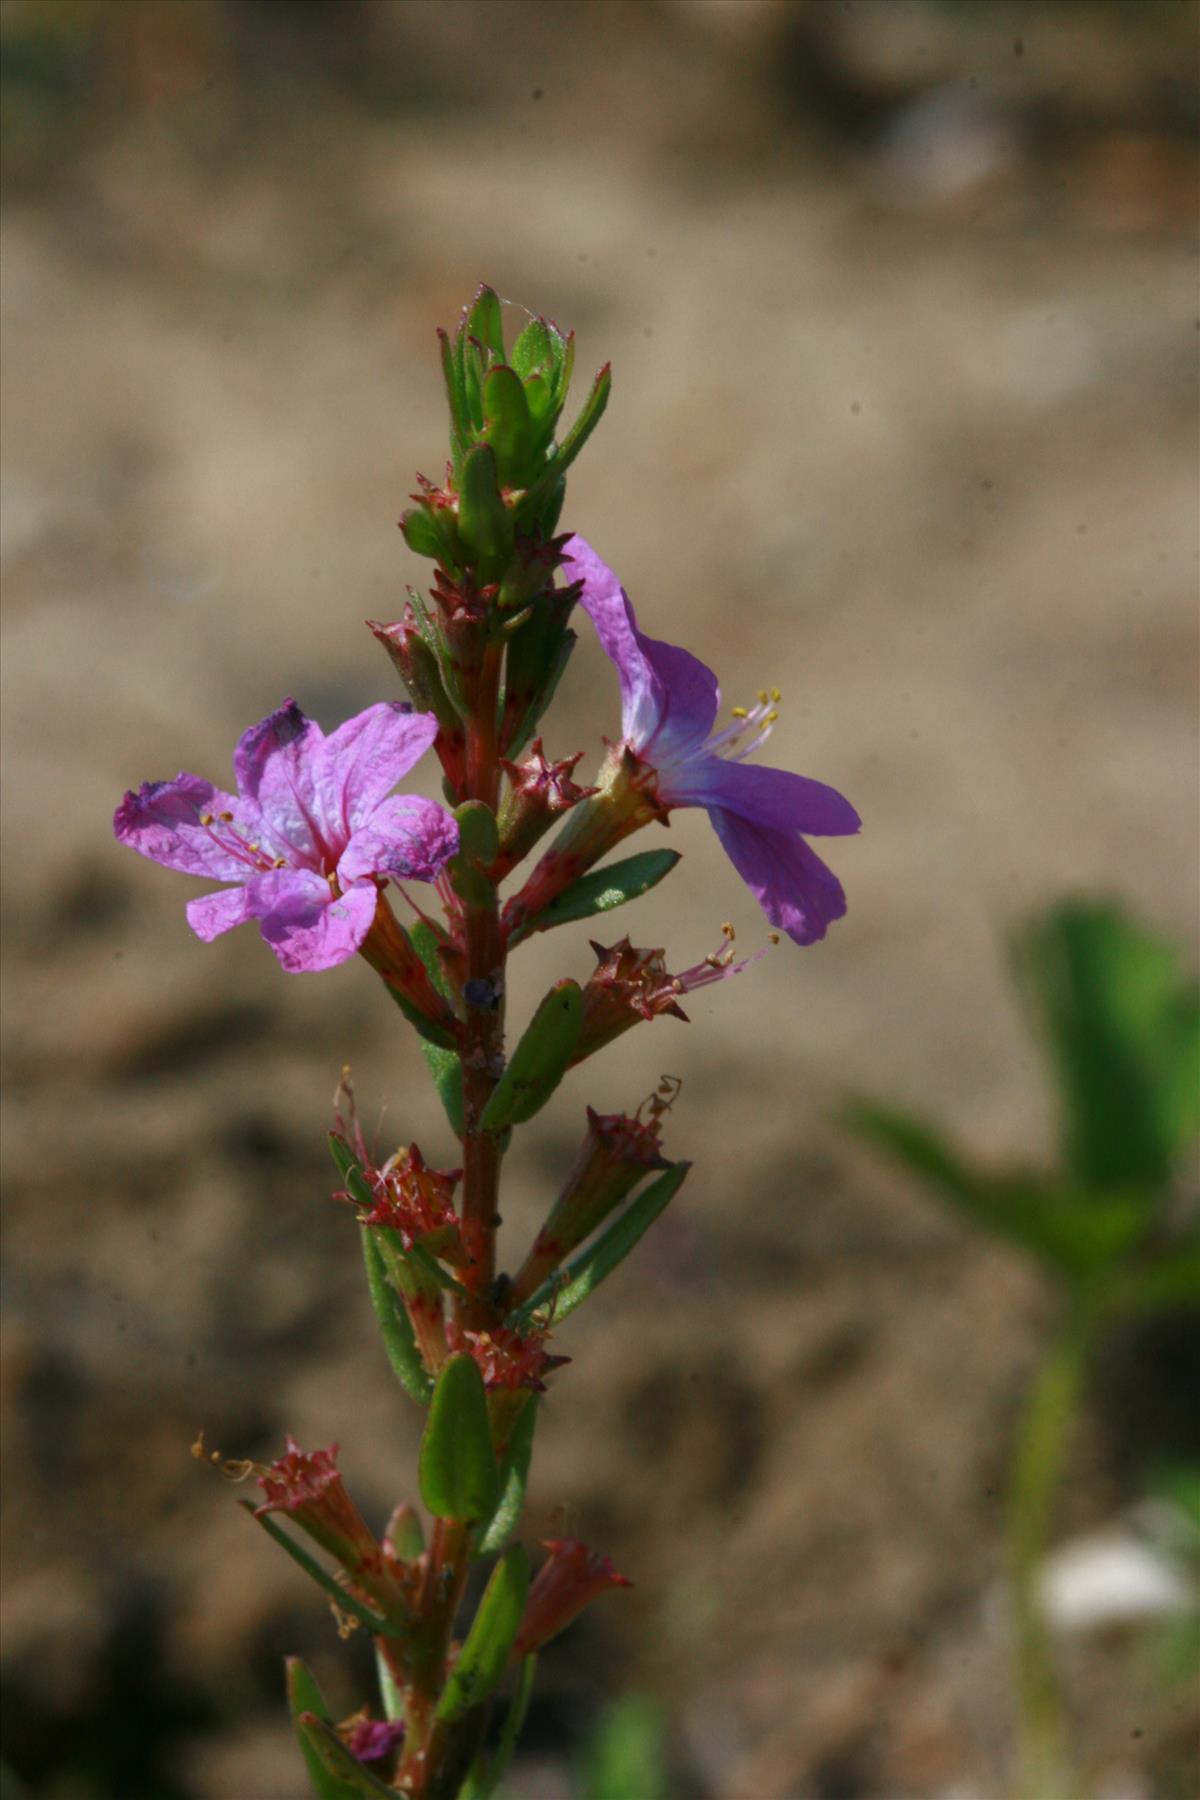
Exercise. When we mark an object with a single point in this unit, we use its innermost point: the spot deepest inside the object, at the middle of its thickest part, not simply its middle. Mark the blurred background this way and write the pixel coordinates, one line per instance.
(900, 300)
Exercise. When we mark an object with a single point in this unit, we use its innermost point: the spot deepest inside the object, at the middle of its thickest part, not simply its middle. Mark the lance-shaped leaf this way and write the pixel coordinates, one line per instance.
(389, 1692)
(305, 1697)
(395, 1326)
(456, 395)
(507, 422)
(601, 890)
(514, 1475)
(484, 1656)
(487, 1771)
(485, 321)
(483, 519)
(477, 838)
(585, 1272)
(589, 417)
(337, 1764)
(443, 1065)
(540, 1060)
(344, 1601)
(533, 352)
(1072, 1230)
(458, 1473)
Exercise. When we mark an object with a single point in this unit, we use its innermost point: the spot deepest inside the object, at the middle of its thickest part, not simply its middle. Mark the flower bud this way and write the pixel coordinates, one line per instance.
(572, 1576)
(410, 643)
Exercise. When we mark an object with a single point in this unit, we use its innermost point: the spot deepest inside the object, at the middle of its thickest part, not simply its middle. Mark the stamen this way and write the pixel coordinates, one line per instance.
(206, 818)
(739, 712)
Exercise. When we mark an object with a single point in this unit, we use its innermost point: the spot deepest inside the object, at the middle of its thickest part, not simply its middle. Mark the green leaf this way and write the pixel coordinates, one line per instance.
(304, 1696)
(420, 533)
(456, 395)
(584, 1274)
(337, 1764)
(514, 1474)
(437, 1036)
(603, 889)
(533, 353)
(458, 1473)
(484, 1656)
(1075, 1232)
(477, 839)
(405, 1533)
(443, 1065)
(1123, 1028)
(485, 321)
(507, 423)
(589, 417)
(540, 1060)
(395, 1326)
(483, 519)
(345, 1602)
(389, 1692)
(487, 1772)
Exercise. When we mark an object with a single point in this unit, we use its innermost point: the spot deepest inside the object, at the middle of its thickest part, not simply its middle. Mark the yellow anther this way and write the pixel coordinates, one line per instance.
(775, 694)
(727, 930)
(280, 862)
(771, 717)
(206, 818)
(739, 712)
(763, 696)
(226, 818)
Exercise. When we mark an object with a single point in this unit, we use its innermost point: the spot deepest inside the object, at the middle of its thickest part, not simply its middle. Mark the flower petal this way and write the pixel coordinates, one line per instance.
(162, 821)
(305, 926)
(762, 796)
(669, 697)
(276, 765)
(406, 837)
(786, 876)
(643, 700)
(363, 760)
(212, 914)
(693, 698)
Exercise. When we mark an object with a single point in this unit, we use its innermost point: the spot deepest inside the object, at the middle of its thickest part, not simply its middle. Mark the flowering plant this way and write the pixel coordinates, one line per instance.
(317, 848)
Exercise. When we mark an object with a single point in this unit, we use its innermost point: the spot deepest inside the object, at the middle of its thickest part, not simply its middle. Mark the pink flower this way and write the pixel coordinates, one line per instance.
(309, 836)
(669, 702)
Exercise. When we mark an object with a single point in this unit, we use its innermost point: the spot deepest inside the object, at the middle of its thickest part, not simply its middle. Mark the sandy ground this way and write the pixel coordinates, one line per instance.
(903, 422)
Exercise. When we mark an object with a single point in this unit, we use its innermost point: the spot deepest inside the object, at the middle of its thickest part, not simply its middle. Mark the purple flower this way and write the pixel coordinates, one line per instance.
(669, 703)
(308, 835)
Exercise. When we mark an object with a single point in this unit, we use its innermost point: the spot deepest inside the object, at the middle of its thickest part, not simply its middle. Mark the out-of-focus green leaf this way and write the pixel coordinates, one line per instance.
(1123, 1026)
(458, 1473)
(540, 1060)
(514, 1474)
(625, 1756)
(1076, 1233)
(584, 1274)
(484, 1656)
(1168, 1277)
(603, 889)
